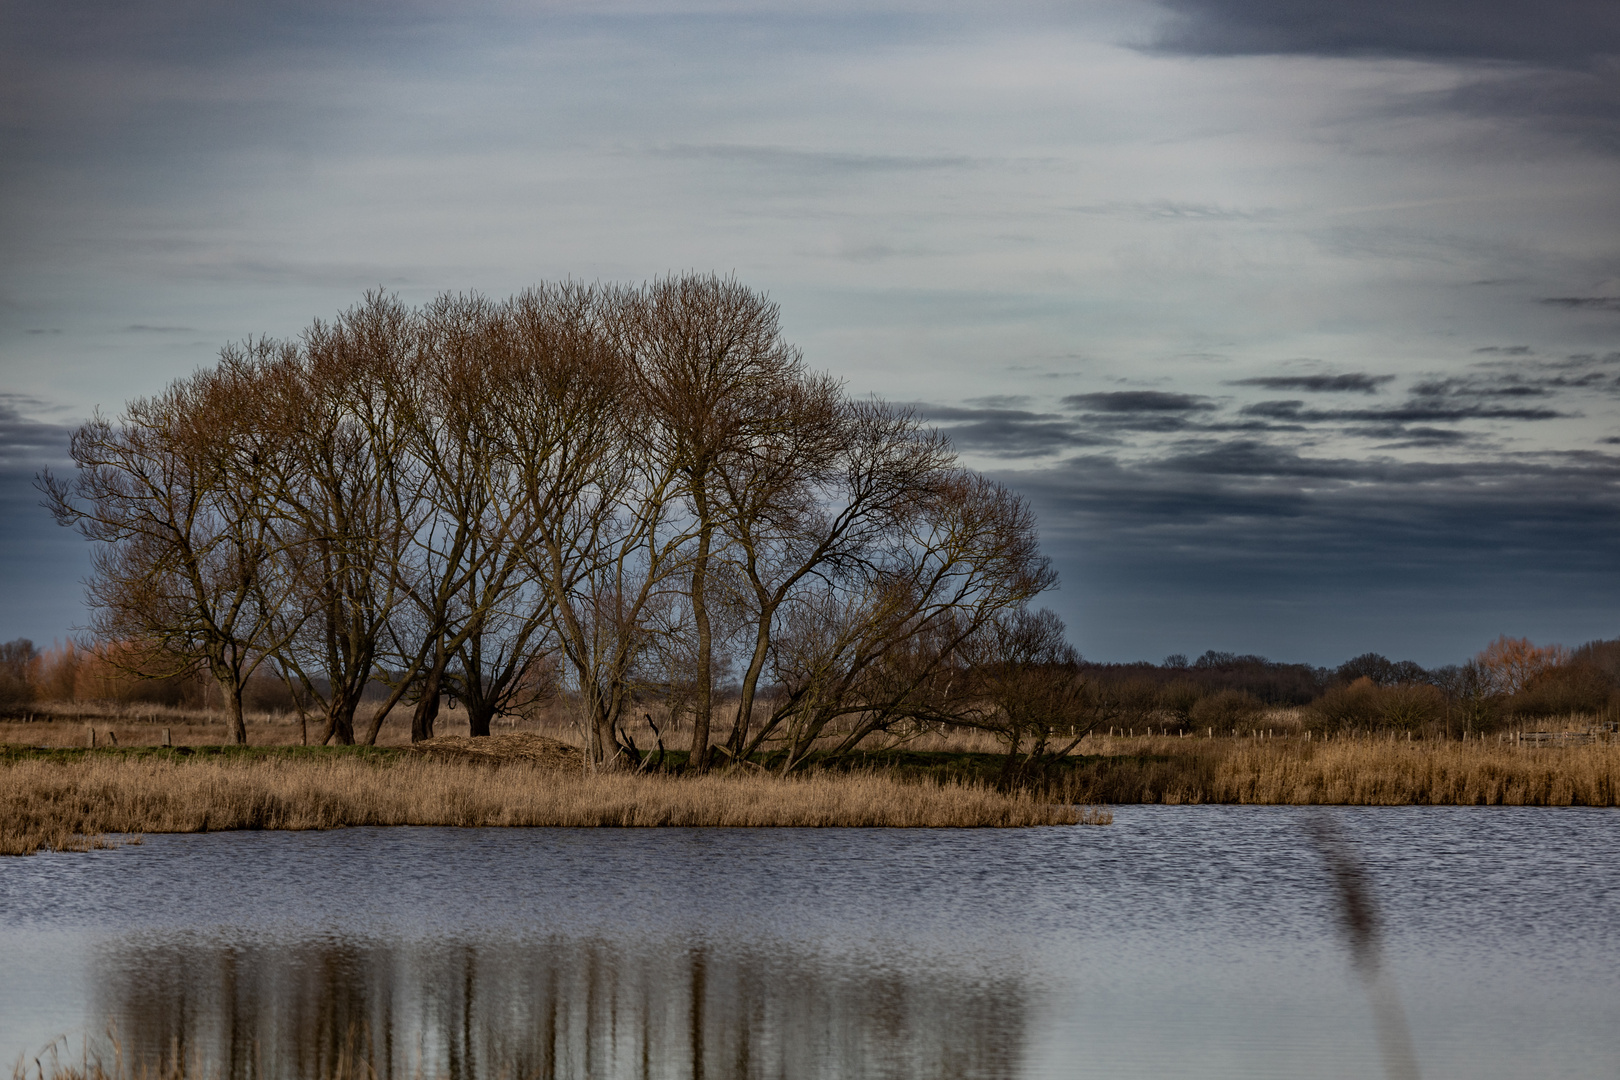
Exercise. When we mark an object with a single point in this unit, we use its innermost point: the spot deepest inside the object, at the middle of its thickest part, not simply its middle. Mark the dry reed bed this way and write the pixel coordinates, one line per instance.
(1372, 772)
(67, 806)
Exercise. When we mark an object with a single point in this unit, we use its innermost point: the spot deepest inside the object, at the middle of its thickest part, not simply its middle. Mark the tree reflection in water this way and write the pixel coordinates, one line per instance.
(547, 1008)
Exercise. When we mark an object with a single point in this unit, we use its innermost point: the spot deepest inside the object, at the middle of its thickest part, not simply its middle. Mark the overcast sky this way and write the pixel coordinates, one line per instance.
(1297, 320)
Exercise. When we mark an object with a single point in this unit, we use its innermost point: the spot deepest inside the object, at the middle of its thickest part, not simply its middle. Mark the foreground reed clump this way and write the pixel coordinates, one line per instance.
(68, 805)
(1348, 772)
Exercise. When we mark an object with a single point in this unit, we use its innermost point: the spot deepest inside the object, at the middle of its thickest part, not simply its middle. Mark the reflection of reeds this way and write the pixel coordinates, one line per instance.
(1358, 772)
(46, 803)
(1359, 920)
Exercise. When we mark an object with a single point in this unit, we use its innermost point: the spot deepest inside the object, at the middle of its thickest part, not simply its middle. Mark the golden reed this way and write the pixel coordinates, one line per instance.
(70, 805)
(1353, 772)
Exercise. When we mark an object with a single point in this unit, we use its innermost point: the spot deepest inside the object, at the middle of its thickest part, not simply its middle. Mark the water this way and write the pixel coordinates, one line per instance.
(1180, 941)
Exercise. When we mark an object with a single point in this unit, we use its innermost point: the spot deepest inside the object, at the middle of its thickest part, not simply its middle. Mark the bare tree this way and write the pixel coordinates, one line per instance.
(504, 665)
(468, 570)
(713, 372)
(190, 564)
(881, 633)
(605, 537)
(815, 504)
(352, 496)
(1027, 689)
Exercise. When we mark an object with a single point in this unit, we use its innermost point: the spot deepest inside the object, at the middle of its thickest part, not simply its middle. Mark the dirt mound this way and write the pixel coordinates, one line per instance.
(510, 746)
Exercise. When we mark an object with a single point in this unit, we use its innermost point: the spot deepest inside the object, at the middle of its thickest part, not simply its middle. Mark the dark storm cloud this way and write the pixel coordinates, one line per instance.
(25, 443)
(1468, 388)
(208, 32)
(1523, 377)
(1351, 382)
(1139, 401)
(46, 561)
(1584, 105)
(1567, 81)
(1240, 543)
(1419, 410)
(1575, 369)
(1398, 437)
(1600, 303)
(1554, 33)
(1269, 513)
(1001, 432)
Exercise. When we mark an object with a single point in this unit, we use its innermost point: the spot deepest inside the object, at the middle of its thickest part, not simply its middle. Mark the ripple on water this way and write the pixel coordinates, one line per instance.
(1187, 941)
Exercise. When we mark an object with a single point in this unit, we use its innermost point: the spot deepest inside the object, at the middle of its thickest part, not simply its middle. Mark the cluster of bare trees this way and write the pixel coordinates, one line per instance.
(613, 494)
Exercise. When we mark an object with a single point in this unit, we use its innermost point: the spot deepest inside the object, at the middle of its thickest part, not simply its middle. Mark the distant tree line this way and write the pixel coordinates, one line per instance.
(1511, 679)
(1037, 696)
(608, 494)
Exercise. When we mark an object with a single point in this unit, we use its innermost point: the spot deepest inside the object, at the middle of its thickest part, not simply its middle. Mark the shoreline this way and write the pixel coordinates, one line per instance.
(68, 800)
(64, 798)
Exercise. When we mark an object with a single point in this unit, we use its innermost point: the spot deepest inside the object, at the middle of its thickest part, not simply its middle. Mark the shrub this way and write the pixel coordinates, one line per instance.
(1227, 708)
(1355, 705)
(1564, 690)
(1137, 698)
(1410, 706)
(1407, 706)
(17, 660)
(1179, 699)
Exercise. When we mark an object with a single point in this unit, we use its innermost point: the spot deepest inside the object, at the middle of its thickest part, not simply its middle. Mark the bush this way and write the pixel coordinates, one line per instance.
(1355, 705)
(1228, 708)
(1564, 690)
(1407, 706)
(17, 660)
(1179, 699)
(1410, 706)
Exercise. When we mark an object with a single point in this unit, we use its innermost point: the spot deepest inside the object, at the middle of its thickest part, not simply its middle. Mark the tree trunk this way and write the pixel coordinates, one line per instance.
(479, 717)
(393, 699)
(603, 741)
(703, 709)
(427, 706)
(342, 718)
(750, 686)
(236, 734)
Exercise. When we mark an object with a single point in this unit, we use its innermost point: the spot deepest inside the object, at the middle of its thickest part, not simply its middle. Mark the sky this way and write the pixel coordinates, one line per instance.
(1297, 321)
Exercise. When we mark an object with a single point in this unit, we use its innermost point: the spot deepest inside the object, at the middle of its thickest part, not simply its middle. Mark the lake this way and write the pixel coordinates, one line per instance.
(1178, 942)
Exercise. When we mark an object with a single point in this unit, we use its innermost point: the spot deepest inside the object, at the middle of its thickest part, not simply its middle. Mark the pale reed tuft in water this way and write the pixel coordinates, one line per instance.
(67, 805)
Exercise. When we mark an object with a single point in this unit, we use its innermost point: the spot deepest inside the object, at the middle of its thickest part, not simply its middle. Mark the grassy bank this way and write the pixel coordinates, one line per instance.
(66, 799)
(63, 797)
(1291, 771)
